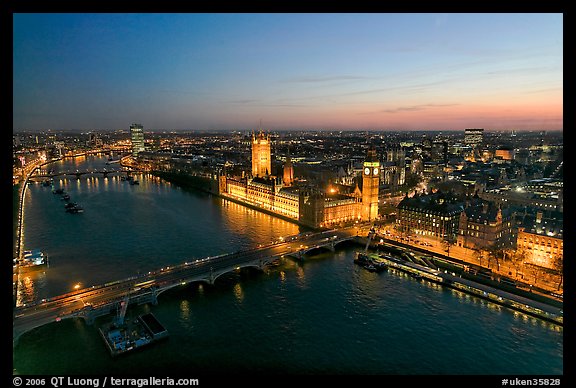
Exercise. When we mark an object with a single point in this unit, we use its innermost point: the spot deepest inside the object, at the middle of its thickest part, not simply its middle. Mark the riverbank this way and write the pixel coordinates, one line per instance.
(15, 212)
(15, 226)
(464, 257)
(466, 267)
(208, 186)
(187, 181)
(511, 300)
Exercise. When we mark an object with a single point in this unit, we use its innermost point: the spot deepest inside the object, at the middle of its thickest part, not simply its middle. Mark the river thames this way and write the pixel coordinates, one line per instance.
(322, 316)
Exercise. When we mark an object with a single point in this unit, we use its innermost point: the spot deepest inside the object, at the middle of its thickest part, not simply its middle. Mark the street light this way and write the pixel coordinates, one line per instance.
(77, 286)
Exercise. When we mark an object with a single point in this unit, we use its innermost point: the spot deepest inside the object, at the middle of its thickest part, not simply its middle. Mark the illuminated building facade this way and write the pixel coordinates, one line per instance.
(137, 136)
(473, 137)
(341, 210)
(504, 153)
(308, 205)
(264, 193)
(541, 238)
(261, 160)
(370, 182)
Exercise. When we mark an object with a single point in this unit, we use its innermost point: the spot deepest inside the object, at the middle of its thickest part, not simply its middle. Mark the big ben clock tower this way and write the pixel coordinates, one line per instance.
(370, 182)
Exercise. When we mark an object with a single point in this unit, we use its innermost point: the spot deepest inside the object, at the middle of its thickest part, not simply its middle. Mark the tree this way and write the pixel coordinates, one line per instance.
(447, 242)
(535, 272)
(479, 254)
(446, 246)
(559, 266)
(489, 257)
(509, 256)
(410, 230)
(495, 254)
(518, 259)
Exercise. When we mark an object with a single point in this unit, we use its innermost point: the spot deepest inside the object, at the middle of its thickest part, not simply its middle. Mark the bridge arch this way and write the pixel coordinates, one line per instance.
(244, 265)
(344, 242)
(187, 283)
(318, 249)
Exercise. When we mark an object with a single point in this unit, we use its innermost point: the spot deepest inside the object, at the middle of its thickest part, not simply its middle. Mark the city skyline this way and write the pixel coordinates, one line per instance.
(292, 71)
(119, 243)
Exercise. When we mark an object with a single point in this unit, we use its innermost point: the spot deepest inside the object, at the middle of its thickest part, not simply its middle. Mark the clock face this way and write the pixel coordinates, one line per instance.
(366, 171)
(376, 171)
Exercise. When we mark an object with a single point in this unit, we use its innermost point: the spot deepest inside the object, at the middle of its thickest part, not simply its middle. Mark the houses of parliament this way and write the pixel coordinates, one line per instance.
(304, 203)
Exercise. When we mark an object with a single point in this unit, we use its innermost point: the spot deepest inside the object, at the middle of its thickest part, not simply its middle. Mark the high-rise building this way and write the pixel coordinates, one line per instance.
(137, 136)
(261, 161)
(473, 137)
(370, 182)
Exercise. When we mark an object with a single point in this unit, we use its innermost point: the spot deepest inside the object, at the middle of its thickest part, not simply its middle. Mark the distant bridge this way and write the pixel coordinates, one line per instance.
(78, 174)
(100, 300)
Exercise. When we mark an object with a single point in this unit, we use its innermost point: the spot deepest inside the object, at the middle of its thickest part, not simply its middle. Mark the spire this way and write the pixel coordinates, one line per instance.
(371, 155)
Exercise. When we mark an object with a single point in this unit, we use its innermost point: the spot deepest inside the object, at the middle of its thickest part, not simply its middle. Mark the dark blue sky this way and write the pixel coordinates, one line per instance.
(227, 71)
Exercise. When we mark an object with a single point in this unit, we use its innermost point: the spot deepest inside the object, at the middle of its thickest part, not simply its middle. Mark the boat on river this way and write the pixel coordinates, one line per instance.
(33, 260)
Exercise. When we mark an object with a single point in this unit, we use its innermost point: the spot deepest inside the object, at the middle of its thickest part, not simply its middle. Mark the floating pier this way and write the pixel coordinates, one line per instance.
(129, 336)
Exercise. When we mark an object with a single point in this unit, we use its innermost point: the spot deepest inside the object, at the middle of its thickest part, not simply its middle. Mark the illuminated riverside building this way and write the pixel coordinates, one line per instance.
(265, 193)
(344, 210)
(541, 238)
(308, 205)
(261, 159)
(283, 195)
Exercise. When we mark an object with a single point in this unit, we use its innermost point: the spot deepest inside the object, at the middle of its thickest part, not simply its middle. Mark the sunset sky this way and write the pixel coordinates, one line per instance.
(292, 71)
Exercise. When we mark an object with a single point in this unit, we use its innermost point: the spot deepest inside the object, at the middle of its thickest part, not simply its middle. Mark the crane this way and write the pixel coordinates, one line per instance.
(371, 235)
(123, 306)
(363, 256)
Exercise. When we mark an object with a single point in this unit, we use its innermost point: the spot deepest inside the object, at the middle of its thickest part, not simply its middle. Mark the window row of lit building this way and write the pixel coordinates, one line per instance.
(432, 215)
(341, 211)
(540, 250)
(268, 197)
